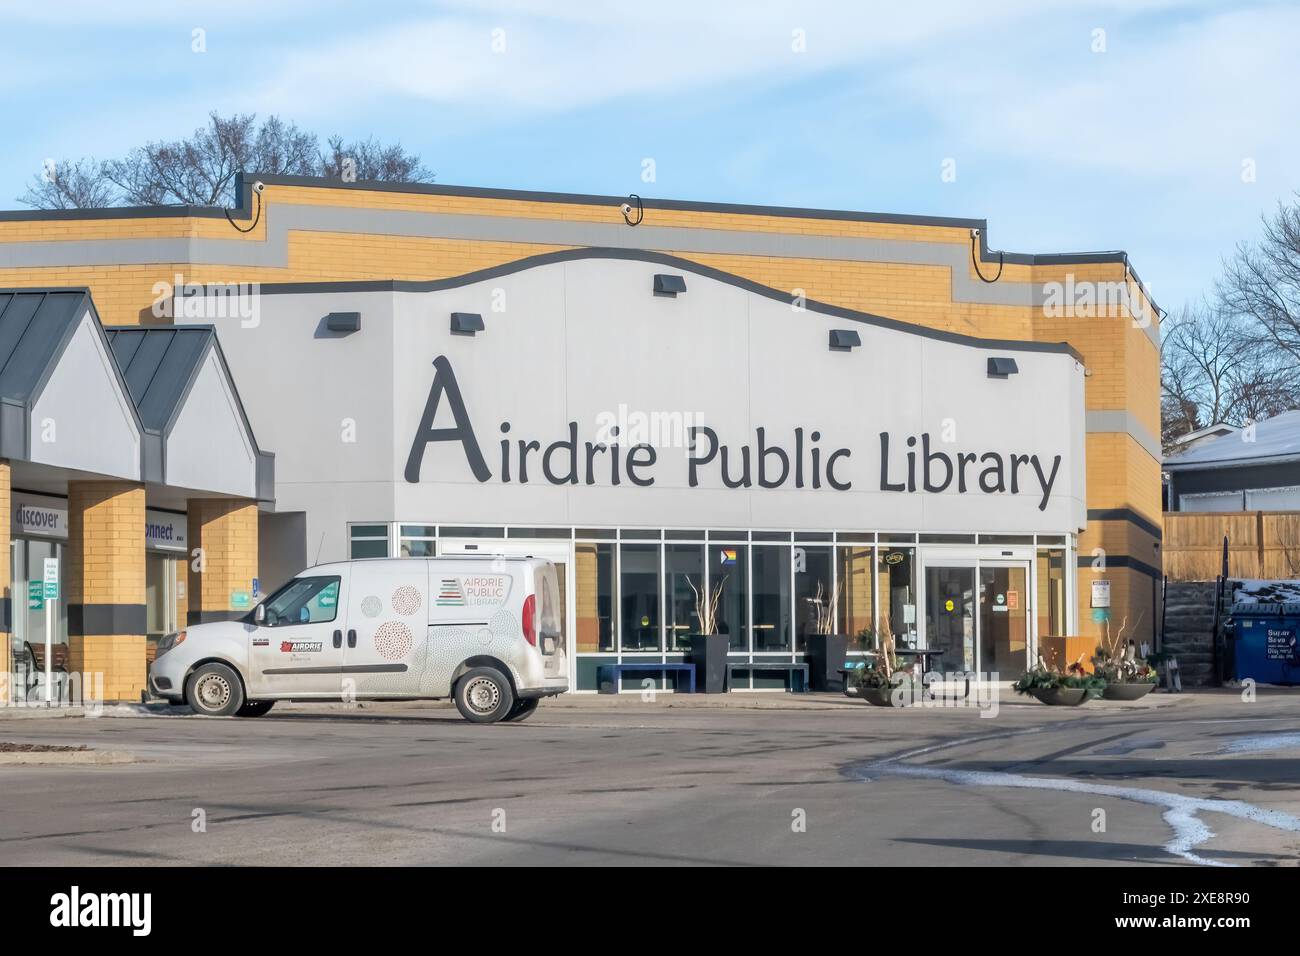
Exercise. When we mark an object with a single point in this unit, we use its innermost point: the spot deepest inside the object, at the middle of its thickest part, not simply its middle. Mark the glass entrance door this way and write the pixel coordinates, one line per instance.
(1004, 618)
(977, 611)
(950, 616)
(30, 609)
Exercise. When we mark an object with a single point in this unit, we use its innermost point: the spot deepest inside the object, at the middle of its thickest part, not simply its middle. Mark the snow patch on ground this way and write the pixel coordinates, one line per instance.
(1254, 591)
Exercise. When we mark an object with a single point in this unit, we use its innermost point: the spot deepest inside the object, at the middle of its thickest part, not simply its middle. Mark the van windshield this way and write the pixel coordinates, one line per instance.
(304, 601)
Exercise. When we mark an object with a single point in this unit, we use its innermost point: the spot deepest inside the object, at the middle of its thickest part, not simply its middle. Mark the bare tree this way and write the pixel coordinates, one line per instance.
(1262, 282)
(201, 169)
(69, 185)
(371, 160)
(1213, 371)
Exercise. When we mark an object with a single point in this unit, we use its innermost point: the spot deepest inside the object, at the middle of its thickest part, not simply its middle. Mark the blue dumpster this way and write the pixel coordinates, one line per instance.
(1262, 642)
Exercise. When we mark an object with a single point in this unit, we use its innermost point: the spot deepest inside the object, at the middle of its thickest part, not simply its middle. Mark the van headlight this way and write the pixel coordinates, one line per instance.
(168, 641)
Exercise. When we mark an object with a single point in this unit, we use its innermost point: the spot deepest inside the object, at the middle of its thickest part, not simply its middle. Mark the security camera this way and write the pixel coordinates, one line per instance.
(626, 209)
(259, 186)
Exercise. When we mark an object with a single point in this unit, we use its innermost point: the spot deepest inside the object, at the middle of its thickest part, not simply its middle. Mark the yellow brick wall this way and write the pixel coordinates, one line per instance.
(105, 565)
(1122, 362)
(224, 532)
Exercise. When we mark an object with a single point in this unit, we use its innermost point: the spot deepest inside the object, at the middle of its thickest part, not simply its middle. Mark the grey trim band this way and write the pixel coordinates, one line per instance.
(1123, 422)
(213, 617)
(98, 619)
(1129, 515)
(347, 669)
(284, 217)
(1133, 564)
(686, 265)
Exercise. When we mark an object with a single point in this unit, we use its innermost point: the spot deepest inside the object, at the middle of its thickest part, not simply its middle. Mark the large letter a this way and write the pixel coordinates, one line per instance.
(444, 381)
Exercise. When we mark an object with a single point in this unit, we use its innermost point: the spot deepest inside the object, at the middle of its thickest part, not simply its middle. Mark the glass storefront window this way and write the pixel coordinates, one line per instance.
(30, 609)
(896, 587)
(856, 610)
(814, 585)
(728, 564)
(771, 597)
(368, 541)
(684, 567)
(416, 541)
(1051, 592)
(594, 579)
(639, 593)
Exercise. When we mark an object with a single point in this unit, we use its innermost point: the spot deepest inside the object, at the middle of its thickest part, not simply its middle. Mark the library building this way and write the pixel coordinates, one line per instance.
(874, 420)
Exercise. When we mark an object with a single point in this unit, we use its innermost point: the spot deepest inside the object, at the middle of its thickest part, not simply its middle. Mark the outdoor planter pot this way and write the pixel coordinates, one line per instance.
(709, 655)
(900, 694)
(1127, 691)
(826, 656)
(1060, 696)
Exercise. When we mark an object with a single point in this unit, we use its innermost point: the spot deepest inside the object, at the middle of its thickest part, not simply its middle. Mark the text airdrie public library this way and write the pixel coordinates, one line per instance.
(801, 463)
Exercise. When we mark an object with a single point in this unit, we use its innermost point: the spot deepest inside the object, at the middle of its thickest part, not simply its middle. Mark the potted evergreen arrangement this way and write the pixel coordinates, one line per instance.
(1060, 688)
(708, 648)
(826, 652)
(1128, 676)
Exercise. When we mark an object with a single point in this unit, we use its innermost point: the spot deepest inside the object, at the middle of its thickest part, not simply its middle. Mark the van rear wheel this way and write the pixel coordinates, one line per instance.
(214, 690)
(522, 710)
(483, 695)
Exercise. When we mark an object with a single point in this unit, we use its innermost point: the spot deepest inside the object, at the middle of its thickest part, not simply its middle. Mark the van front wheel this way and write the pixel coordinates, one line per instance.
(483, 695)
(214, 690)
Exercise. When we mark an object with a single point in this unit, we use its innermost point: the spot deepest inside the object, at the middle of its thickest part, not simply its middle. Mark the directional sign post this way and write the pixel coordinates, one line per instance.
(51, 595)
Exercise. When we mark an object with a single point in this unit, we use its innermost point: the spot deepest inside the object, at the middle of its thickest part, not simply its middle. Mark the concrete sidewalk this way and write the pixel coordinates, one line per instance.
(633, 701)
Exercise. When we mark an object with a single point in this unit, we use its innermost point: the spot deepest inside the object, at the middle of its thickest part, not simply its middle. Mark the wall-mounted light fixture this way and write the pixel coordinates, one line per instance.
(842, 340)
(669, 285)
(466, 323)
(343, 321)
(1002, 367)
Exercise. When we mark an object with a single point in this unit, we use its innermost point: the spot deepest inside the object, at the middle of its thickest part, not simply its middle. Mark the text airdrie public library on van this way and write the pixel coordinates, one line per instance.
(443, 370)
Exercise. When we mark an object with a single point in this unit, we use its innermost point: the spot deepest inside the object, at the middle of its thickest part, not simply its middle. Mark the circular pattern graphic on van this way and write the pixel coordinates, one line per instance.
(393, 640)
(406, 600)
(371, 606)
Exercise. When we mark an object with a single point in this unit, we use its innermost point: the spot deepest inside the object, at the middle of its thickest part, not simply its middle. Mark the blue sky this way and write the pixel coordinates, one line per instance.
(1140, 146)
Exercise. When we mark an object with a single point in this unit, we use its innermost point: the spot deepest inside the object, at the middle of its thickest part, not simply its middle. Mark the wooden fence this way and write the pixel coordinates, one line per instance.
(1261, 544)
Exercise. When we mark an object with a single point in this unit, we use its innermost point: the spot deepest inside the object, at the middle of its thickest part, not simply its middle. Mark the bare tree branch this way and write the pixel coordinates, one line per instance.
(69, 185)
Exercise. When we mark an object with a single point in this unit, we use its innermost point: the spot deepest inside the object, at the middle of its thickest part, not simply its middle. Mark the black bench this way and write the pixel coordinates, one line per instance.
(792, 669)
(617, 670)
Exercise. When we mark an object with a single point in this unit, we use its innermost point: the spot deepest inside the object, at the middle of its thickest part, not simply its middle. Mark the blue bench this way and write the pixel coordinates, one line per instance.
(616, 670)
(792, 669)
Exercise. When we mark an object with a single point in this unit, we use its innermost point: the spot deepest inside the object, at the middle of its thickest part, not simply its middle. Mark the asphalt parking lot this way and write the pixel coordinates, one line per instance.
(1192, 779)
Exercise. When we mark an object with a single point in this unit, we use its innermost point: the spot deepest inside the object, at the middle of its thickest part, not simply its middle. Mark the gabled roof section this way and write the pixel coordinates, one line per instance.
(34, 327)
(159, 365)
(1272, 441)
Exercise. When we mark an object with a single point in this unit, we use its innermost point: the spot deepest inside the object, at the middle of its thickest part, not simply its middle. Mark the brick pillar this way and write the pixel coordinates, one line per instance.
(105, 589)
(6, 588)
(223, 558)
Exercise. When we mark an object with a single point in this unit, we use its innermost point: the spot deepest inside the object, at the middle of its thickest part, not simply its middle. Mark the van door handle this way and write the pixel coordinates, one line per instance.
(352, 638)
(338, 638)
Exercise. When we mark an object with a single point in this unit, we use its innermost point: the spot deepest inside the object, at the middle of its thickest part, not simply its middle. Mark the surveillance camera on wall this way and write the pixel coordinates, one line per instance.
(259, 186)
(626, 209)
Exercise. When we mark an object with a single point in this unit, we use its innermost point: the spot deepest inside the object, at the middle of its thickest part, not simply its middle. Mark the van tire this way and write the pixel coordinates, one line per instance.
(484, 696)
(522, 710)
(214, 690)
(255, 708)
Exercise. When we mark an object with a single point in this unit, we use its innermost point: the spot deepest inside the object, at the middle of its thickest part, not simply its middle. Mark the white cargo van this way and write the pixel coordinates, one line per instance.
(484, 630)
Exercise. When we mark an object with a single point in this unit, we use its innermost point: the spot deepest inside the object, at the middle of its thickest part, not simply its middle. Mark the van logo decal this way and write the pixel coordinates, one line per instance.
(300, 647)
(449, 593)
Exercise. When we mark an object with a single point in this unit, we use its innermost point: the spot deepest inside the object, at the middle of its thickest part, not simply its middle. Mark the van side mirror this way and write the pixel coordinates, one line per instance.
(259, 614)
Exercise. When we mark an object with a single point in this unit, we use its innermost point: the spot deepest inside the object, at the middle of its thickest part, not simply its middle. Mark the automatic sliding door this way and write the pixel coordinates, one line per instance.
(1004, 619)
(950, 616)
